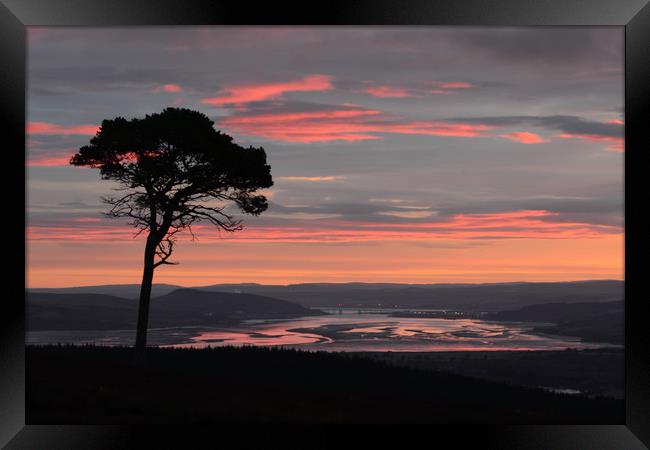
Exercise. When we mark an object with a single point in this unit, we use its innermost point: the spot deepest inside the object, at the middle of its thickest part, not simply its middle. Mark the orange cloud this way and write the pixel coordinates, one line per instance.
(345, 124)
(51, 128)
(524, 137)
(387, 92)
(257, 92)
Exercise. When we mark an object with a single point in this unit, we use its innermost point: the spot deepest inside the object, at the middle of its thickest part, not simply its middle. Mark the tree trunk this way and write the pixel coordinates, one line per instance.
(145, 297)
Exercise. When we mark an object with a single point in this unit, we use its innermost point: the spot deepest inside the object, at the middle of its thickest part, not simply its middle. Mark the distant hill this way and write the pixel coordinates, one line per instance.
(118, 290)
(182, 307)
(185, 306)
(472, 297)
(599, 322)
(79, 312)
(557, 312)
(467, 297)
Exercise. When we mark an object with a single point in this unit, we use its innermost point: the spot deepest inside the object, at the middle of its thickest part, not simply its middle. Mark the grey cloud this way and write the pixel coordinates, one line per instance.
(60, 80)
(78, 205)
(577, 125)
(366, 212)
(599, 211)
(547, 45)
(607, 210)
(47, 145)
(566, 124)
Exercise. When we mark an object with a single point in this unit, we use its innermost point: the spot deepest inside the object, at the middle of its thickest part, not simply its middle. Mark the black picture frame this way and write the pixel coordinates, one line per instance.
(634, 15)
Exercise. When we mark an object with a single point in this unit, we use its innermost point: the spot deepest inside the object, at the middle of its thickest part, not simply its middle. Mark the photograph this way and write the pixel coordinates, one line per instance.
(359, 225)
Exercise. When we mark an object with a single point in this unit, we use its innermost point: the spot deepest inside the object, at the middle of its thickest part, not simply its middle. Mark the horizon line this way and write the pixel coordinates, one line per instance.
(336, 283)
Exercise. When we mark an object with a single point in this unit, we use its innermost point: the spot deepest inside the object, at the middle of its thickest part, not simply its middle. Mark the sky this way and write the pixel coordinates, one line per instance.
(399, 154)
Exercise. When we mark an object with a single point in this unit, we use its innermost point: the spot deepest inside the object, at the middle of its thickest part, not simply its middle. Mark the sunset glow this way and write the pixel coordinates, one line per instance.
(415, 155)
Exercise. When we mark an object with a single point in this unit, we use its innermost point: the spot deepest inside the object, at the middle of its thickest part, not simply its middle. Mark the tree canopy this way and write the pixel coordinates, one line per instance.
(174, 169)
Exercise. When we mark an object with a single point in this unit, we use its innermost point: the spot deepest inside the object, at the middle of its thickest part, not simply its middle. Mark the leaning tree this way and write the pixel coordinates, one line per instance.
(174, 170)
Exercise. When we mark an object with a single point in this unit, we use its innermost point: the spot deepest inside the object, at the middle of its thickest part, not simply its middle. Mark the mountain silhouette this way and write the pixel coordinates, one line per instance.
(469, 297)
(119, 290)
(596, 322)
(475, 297)
(189, 306)
(182, 307)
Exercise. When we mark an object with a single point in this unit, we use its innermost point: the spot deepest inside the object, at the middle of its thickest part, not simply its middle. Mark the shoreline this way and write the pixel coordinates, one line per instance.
(342, 337)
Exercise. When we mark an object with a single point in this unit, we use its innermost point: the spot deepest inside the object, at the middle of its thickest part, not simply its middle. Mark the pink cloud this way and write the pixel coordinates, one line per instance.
(256, 92)
(524, 137)
(438, 128)
(171, 87)
(344, 124)
(615, 122)
(387, 92)
(449, 87)
(51, 128)
(454, 85)
(81, 232)
(321, 178)
(53, 158)
(522, 224)
(616, 144)
(280, 118)
(86, 219)
(55, 161)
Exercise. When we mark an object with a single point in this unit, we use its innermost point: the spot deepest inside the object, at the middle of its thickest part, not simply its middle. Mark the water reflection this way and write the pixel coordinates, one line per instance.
(347, 331)
(368, 331)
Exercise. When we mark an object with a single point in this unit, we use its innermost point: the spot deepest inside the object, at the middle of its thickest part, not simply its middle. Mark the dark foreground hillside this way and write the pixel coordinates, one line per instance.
(100, 385)
(592, 372)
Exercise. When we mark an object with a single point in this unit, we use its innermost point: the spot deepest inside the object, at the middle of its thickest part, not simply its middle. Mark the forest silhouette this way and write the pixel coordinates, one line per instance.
(100, 385)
